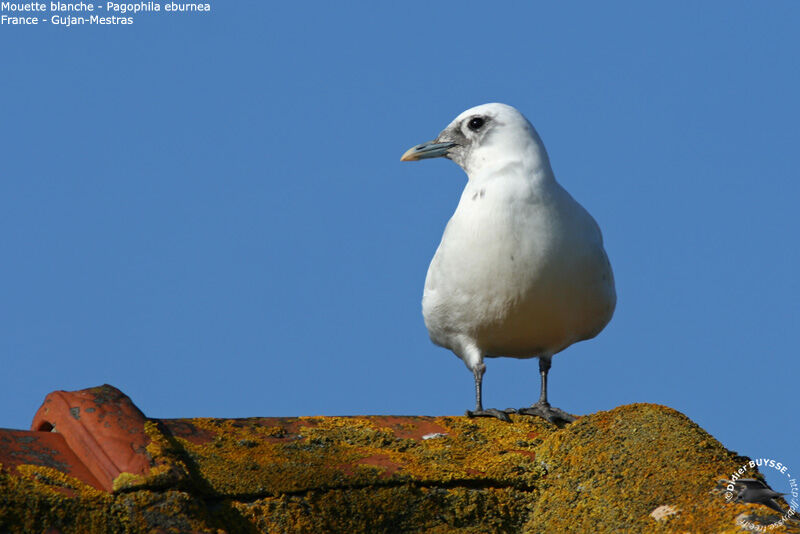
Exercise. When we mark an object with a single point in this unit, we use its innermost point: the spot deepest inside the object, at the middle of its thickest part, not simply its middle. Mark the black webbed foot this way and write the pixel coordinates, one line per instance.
(556, 416)
(492, 412)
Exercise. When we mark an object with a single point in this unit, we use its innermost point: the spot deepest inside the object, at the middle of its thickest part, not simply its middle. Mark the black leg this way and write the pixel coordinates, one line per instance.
(479, 387)
(542, 408)
(544, 368)
(479, 411)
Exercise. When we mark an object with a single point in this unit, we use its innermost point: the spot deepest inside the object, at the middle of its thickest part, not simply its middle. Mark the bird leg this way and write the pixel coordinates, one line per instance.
(479, 411)
(542, 408)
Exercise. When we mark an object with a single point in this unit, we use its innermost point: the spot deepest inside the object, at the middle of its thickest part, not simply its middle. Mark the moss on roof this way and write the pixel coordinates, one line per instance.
(607, 472)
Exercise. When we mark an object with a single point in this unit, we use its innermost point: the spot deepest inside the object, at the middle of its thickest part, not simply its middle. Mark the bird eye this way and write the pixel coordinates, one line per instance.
(475, 123)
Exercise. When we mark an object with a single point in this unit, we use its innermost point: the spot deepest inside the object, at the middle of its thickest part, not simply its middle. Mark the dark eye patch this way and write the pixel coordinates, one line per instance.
(476, 123)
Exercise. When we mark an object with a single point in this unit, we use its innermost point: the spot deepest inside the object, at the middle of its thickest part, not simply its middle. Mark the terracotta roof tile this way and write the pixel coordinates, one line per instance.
(48, 449)
(102, 426)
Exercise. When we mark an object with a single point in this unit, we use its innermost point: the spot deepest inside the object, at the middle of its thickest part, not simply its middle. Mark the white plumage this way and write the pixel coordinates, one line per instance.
(521, 270)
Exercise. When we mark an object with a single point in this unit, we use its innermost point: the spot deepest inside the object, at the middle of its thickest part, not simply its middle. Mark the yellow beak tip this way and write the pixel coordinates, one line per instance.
(409, 155)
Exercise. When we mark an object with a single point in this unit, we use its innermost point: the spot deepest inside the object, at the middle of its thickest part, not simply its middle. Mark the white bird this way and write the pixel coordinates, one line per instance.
(521, 270)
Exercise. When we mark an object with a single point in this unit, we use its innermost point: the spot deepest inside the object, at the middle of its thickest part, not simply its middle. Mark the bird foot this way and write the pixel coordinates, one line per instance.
(492, 412)
(543, 409)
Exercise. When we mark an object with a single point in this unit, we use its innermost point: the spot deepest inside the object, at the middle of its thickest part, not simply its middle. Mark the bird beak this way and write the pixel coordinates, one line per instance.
(431, 149)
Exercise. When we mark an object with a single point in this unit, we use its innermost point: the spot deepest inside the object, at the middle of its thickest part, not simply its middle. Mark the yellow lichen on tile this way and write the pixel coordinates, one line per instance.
(606, 472)
(243, 456)
(53, 480)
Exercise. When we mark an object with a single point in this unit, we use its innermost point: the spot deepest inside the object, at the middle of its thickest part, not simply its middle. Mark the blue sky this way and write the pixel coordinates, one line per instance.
(209, 211)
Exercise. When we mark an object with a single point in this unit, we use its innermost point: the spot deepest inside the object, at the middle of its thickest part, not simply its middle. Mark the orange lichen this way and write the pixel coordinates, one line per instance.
(335, 452)
(50, 479)
(607, 472)
(32, 503)
(611, 469)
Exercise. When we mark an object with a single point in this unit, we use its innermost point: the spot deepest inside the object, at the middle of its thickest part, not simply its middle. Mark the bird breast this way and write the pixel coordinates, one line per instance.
(520, 271)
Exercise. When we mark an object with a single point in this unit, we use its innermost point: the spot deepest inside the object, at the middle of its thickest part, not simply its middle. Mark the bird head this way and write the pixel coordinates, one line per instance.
(483, 136)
